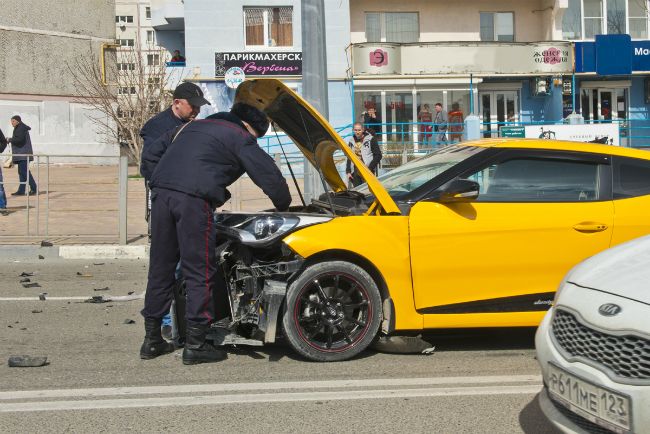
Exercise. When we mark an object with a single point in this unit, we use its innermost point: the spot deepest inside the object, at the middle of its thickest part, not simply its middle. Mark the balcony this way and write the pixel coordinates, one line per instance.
(167, 15)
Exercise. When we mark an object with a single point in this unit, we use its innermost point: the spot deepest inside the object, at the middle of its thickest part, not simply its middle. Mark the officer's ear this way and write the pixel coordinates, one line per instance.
(250, 129)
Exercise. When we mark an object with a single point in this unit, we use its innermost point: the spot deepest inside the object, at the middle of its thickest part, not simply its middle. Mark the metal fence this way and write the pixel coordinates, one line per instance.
(73, 201)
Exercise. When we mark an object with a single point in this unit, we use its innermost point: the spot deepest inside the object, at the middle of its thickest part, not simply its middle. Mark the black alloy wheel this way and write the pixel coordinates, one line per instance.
(333, 311)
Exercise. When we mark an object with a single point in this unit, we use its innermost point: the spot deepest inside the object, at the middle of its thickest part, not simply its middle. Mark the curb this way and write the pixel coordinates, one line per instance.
(28, 253)
(104, 252)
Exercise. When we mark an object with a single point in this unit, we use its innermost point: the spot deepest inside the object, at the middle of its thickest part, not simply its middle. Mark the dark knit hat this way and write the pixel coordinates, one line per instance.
(252, 116)
(16, 118)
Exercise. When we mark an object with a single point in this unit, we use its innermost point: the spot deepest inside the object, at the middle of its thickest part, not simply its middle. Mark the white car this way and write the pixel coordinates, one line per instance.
(594, 344)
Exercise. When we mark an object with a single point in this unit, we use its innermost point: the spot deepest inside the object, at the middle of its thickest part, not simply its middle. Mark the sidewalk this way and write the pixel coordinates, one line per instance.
(78, 205)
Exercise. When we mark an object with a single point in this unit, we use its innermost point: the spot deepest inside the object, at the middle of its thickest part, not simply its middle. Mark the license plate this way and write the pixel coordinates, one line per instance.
(601, 406)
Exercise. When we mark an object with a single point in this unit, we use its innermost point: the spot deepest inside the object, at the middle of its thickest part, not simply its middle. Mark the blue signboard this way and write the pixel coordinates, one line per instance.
(613, 54)
(586, 58)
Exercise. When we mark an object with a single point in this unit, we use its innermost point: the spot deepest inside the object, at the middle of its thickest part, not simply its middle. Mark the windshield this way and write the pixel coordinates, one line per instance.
(406, 178)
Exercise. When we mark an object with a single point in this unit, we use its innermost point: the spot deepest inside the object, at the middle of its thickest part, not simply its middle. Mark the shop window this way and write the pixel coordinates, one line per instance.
(638, 19)
(498, 26)
(593, 20)
(572, 21)
(401, 27)
(616, 24)
(269, 27)
(123, 19)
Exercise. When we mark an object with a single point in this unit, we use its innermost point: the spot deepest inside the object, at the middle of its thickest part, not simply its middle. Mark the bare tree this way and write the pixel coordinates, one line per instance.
(130, 88)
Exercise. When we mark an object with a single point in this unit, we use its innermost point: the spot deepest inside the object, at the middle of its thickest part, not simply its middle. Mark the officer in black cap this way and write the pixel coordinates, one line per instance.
(189, 169)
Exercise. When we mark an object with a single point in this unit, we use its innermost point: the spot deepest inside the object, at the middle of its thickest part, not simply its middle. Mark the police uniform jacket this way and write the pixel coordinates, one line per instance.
(208, 155)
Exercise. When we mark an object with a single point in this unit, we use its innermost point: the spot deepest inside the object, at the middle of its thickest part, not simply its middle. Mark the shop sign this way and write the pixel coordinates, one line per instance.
(590, 133)
(519, 132)
(586, 56)
(463, 58)
(259, 63)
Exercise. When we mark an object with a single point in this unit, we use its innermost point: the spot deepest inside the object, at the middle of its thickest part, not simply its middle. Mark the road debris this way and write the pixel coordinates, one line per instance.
(26, 274)
(25, 280)
(41, 257)
(80, 274)
(37, 311)
(46, 244)
(403, 345)
(129, 321)
(96, 299)
(106, 288)
(31, 285)
(27, 361)
(42, 295)
(98, 263)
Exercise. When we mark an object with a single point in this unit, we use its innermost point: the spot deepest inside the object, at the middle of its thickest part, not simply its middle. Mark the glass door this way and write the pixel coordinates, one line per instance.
(498, 108)
(399, 116)
(604, 105)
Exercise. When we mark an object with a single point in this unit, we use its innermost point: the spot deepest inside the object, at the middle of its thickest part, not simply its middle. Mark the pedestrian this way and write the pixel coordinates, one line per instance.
(372, 121)
(440, 124)
(3, 196)
(365, 146)
(177, 57)
(187, 101)
(425, 117)
(21, 143)
(189, 170)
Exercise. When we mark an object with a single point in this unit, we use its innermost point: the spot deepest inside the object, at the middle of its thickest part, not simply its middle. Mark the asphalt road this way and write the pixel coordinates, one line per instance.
(95, 382)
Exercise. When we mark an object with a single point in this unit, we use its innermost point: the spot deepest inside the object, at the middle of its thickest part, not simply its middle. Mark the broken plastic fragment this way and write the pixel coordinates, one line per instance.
(129, 321)
(31, 285)
(41, 257)
(37, 311)
(96, 299)
(46, 244)
(27, 361)
(402, 345)
(26, 274)
(42, 295)
(80, 274)
(25, 280)
(106, 288)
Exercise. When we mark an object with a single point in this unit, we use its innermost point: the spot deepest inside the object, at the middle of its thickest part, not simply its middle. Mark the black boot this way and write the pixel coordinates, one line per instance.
(154, 345)
(198, 350)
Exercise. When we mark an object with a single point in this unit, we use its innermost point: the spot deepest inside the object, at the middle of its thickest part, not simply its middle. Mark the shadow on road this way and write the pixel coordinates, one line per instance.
(533, 421)
(521, 338)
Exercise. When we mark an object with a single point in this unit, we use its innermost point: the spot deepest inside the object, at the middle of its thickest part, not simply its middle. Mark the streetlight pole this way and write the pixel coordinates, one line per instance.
(314, 77)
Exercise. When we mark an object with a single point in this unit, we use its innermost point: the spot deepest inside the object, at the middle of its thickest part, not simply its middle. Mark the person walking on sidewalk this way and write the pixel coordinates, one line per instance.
(188, 99)
(3, 196)
(21, 143)
(364, 145)
(189, 169)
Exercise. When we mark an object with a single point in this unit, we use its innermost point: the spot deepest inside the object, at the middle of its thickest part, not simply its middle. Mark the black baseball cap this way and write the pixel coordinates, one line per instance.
(192, 93)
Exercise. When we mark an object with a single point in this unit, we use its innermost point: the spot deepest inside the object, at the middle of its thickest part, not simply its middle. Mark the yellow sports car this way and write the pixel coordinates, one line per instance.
(477, 234)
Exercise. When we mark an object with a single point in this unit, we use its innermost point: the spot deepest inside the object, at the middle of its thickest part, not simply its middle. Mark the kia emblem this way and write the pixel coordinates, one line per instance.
(609, 309)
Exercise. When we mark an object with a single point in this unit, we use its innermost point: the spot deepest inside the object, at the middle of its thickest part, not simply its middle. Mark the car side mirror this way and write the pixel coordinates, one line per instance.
(459, 190)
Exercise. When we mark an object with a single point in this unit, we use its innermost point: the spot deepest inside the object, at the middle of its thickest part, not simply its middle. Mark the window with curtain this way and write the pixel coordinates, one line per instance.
(572, 21)
(497, 26)
(401, 27)
(269, 27)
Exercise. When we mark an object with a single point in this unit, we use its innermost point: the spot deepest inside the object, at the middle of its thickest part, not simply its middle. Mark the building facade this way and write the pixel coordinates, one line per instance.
(38, 45)
(262, 39)
(486, 58)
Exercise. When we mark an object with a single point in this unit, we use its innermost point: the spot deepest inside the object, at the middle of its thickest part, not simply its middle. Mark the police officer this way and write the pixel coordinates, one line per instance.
(189, 169)
(188, 99)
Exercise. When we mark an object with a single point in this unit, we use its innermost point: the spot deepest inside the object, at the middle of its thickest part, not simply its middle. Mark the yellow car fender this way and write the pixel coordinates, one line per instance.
(383, 241)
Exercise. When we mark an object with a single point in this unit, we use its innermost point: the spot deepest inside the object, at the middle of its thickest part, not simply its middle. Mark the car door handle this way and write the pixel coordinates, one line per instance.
(590, 227)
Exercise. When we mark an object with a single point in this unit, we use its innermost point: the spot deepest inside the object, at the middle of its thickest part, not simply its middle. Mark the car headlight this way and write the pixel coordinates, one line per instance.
(263, 229)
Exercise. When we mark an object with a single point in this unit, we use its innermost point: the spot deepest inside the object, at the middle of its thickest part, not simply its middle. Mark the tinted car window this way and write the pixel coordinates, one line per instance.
(538, 180)
(631, 177)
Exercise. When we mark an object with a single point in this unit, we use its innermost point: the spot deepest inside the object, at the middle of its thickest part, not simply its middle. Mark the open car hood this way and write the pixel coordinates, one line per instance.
(313, 135)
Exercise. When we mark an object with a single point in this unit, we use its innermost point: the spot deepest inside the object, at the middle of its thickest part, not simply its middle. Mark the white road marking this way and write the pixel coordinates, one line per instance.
(47, 297)
(242, 387)
(176, 401)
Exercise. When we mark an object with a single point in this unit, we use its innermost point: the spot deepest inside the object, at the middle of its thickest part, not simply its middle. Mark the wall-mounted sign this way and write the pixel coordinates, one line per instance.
(234, 77)
(586, 60)
(259, 63)
(461, 58)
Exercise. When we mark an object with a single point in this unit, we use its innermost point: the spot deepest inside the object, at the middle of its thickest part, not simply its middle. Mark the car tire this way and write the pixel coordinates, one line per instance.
(332, 311)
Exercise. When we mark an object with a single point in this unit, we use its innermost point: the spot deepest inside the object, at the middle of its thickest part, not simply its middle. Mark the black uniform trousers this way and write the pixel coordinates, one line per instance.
(182, 227)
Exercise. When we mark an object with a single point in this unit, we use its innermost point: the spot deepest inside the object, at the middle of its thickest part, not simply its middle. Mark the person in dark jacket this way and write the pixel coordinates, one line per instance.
(3, 196)
(188, 99)
(189, 170)
(21, 143)
(365, 146)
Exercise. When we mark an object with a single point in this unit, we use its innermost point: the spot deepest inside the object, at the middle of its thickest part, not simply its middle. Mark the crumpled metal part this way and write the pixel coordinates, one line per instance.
(403, 345)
